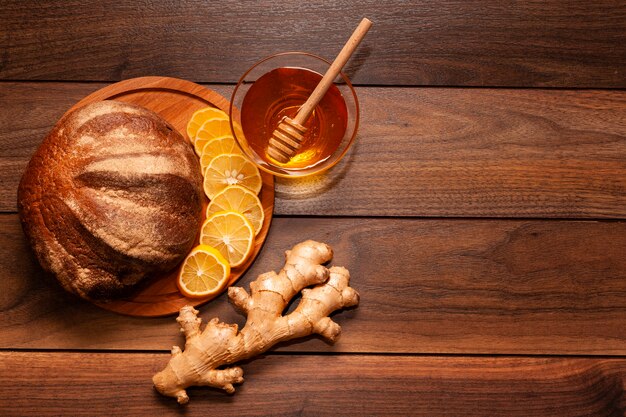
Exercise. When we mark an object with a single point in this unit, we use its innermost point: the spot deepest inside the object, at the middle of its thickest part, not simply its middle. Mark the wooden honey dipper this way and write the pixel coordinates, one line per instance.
(289, 134)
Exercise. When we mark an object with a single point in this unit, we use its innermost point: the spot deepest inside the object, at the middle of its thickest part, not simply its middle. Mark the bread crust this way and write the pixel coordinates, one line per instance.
(111, 196)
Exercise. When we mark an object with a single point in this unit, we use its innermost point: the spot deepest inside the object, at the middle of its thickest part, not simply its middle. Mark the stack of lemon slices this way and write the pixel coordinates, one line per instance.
(234, 215)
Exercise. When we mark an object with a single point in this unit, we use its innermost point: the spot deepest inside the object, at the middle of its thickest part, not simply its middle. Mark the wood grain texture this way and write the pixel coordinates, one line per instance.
(76, 384)
(427, 286)
(419, 152)
(478, 43)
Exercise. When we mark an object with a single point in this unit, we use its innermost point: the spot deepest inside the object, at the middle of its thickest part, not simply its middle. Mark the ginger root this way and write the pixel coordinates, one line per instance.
(222, 344)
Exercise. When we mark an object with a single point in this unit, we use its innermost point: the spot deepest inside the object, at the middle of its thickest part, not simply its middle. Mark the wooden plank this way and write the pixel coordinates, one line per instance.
(71, 383)
(427, 286)
(470, 43)
(420, 152)
(493, 153)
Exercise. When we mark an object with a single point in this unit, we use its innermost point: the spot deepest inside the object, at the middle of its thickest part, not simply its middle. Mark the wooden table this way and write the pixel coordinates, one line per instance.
(480, 211)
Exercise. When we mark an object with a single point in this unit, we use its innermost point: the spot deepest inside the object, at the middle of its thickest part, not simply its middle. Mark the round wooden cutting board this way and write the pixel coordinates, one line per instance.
(175, 100)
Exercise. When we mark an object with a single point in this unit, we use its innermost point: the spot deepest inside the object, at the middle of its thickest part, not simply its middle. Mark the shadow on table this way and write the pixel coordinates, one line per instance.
(357, 60)
(315, 185)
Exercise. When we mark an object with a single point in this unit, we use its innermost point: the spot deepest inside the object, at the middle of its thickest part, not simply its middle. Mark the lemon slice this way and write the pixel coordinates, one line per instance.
(217, 146)
(211, 129)
(239, 199)
(231, 234)
(231, 169)
(201, 116)
(204, 272)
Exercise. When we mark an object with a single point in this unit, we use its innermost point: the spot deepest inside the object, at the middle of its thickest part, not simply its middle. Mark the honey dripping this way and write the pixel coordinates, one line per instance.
(280, 93)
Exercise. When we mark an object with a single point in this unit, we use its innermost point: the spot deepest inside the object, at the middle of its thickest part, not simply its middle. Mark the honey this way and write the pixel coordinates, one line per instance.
(280, 93)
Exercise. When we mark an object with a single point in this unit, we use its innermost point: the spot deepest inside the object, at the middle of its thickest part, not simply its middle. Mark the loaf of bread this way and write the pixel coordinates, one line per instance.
(112, 196)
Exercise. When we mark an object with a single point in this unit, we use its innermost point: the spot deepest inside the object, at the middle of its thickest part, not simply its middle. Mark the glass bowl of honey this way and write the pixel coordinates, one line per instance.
(276, 87)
